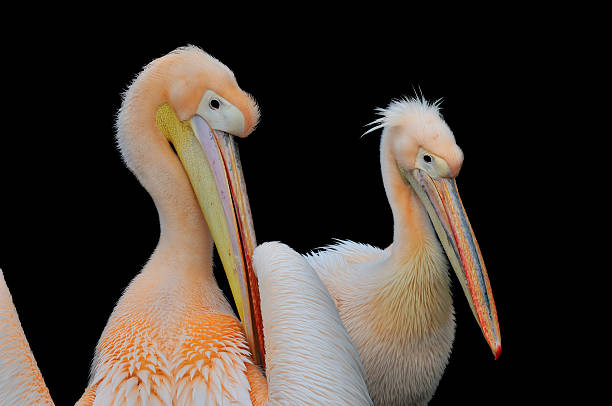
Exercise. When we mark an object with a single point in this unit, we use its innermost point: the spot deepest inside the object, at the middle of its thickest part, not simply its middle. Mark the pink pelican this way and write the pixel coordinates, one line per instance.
(396, 303)
(173, 338)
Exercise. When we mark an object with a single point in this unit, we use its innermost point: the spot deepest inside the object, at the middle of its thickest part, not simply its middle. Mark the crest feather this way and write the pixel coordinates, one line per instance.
(398, 109)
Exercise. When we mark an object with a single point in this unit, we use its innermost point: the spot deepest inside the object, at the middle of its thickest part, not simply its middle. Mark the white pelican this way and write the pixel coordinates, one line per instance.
(172, 338)
(396, 303)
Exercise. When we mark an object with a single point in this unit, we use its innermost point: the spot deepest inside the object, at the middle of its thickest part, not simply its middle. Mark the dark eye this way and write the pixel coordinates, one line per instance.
(214, 104)
(427, 158)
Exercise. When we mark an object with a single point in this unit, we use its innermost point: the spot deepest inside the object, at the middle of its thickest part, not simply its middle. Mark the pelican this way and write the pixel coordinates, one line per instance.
(396, 303)
(173, 338)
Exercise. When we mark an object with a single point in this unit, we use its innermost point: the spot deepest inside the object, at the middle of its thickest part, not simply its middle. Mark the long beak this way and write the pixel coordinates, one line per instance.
(211, 161)
(441, 199)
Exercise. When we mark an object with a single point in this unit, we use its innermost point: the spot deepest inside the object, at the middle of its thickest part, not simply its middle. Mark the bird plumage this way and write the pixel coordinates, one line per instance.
(399, 316)
(21, 382)
(172, 339)
(316, 362)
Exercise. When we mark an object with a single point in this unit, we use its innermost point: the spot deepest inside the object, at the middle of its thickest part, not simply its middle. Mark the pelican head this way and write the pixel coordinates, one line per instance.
(428, 160)
(190, 100)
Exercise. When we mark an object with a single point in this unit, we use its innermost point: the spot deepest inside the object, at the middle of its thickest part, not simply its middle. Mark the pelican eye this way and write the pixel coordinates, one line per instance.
(214, 104)
(427, 158)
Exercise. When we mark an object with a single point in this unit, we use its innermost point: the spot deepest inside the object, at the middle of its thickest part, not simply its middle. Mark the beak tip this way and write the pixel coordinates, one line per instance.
(497, 351)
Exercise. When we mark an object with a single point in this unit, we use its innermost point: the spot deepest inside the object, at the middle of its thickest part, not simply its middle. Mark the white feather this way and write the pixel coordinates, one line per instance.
(310, 357)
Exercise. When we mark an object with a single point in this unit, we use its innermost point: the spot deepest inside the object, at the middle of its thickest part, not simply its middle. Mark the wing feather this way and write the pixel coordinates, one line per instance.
(21, 383)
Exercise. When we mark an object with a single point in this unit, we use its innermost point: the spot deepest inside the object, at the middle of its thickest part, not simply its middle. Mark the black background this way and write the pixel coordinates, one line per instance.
(76, 226)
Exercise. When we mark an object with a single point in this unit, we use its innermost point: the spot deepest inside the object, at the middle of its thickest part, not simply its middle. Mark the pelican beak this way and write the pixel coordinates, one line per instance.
(211, 161)
(443, 204)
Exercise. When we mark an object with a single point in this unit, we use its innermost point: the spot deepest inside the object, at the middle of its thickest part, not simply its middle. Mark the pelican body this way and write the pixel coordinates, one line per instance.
(173, 338)
(396, 303)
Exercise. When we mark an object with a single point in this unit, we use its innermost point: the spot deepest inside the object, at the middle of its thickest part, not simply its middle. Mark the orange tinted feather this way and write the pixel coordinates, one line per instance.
(88, 397)
(210, 359)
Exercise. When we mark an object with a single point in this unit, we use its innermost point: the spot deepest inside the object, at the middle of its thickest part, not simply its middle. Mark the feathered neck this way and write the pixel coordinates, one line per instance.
(414, 282)
(149, 156)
